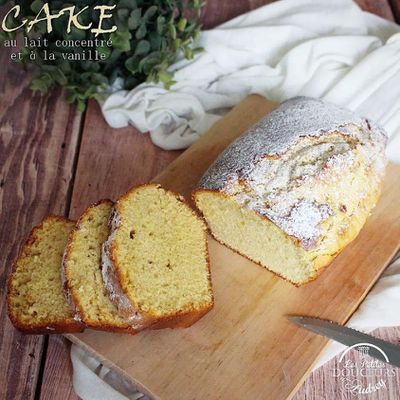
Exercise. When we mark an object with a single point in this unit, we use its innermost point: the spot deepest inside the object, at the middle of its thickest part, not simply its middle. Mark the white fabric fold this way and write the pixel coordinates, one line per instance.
(319, 48)
(93, 381)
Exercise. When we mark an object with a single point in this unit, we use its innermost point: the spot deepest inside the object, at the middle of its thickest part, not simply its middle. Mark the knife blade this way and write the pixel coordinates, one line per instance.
(378, 348)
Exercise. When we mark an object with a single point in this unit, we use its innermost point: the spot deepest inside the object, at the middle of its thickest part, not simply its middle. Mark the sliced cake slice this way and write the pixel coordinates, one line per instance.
(36, 301)
(155, 261)
(82, 278)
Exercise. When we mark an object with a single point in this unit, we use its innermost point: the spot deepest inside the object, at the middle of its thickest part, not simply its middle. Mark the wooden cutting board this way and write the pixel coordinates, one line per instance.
(245, 348)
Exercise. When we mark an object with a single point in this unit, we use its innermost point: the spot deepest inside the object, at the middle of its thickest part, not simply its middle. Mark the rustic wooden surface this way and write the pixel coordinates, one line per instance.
(225, 354)
(219, 11)
(56, 378)
(37, 173)
(39, 137)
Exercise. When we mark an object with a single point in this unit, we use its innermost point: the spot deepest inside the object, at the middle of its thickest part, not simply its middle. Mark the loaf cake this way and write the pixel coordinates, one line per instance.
(36, 301)
(155, 261)
(296, 188)
(81, 271)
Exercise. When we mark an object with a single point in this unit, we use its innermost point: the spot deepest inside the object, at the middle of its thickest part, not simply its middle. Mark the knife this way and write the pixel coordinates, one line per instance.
(378, 348)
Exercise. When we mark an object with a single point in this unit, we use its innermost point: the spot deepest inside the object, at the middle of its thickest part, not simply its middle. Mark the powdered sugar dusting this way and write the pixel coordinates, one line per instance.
(304, 221)
(289, 166)
(111, 282)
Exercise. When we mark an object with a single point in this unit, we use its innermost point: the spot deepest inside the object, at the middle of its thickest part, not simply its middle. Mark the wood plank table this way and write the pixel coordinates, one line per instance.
(44, 144)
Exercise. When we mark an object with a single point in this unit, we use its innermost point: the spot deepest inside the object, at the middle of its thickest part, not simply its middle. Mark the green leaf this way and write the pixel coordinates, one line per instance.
(197, 50)
(121, 40)
(36, 6)
(160, 25)
(104, 50)
(143, 47)
(64, 66)
(134, 19)
(99, 79)
(150, 12)
(177, 43)
(123, 14)
(155, 41)
(76, 34)
(42, 83)
(132, 64)
(172, 31)
(188, 53)
(151, 59)
(165, 76)
(59, 26)
(59, 77)
(81, 105)
(141, 32)
(114, 57)
(182, 24)
(130, 4)
(71, 98)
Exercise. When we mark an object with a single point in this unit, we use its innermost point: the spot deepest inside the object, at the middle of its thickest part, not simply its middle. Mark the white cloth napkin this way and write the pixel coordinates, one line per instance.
(328, 49)
(93, 381)
(319, 48)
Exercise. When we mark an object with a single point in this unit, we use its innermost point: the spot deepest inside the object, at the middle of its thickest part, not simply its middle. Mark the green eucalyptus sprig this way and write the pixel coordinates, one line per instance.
(150, 36)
